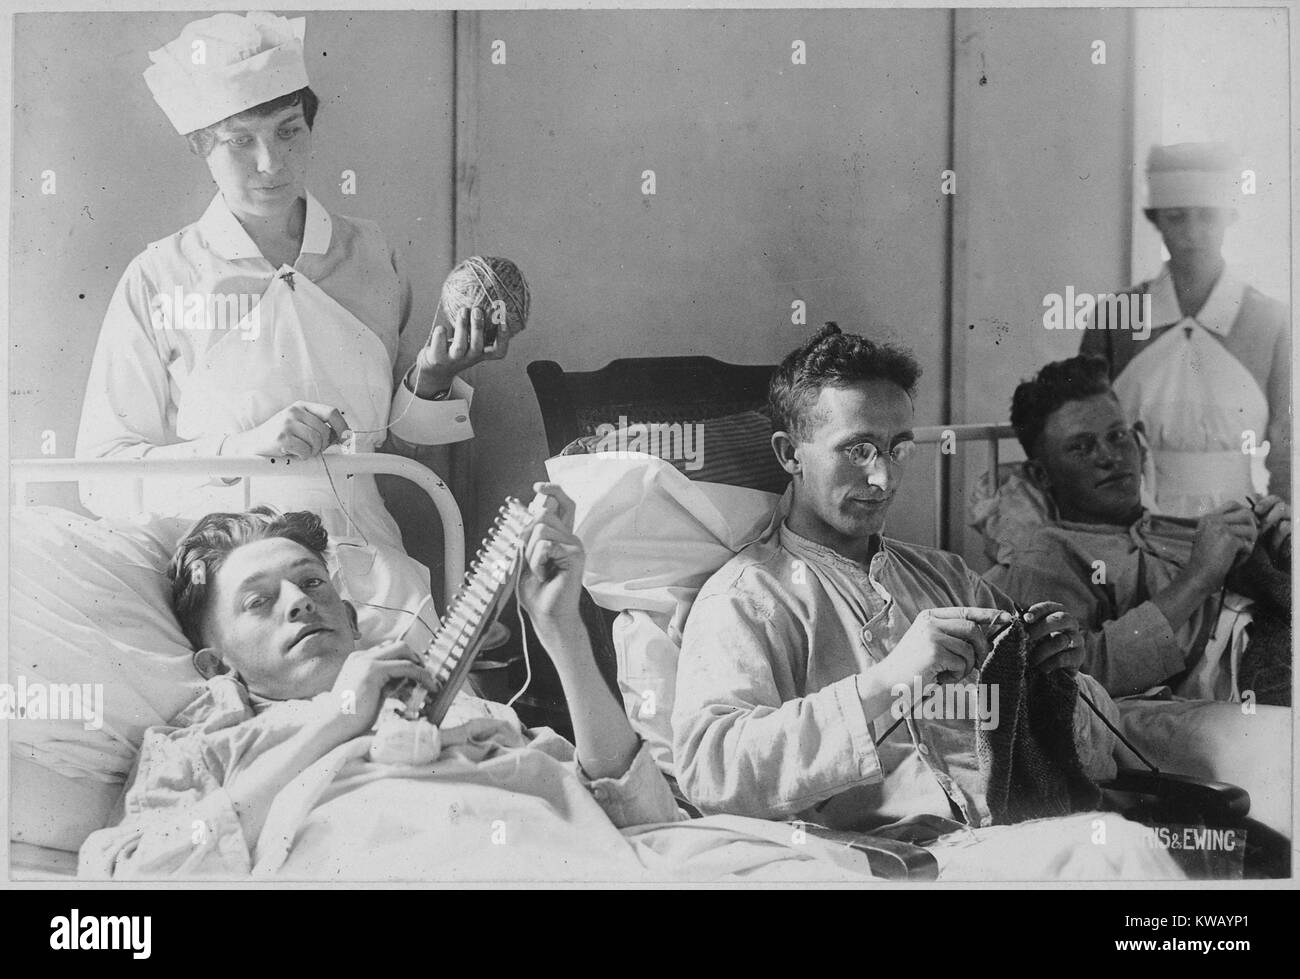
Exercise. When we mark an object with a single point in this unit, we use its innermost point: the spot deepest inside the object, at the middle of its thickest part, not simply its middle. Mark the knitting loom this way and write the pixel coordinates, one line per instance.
(459, 637)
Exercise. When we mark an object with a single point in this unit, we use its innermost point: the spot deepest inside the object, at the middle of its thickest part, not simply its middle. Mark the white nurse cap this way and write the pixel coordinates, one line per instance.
(225, 64)
(1192, 175)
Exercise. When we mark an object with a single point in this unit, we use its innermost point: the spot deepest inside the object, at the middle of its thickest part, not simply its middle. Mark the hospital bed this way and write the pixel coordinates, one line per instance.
(88, 601)
(639, 620)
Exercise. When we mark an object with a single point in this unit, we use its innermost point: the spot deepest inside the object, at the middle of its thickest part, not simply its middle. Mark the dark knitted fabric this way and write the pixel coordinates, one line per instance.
(1266, 664)
(1029, 759)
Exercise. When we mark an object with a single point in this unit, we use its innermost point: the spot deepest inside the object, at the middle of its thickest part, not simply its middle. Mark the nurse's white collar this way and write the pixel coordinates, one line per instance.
(1217, 315)
(227, 237)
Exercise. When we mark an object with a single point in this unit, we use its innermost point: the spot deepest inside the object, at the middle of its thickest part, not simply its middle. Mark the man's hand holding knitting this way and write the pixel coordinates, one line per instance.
(1055, 639)
(942, 645)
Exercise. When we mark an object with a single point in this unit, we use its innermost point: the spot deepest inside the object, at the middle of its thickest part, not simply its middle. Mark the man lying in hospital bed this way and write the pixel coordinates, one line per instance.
(278, 767)
(1160, 599)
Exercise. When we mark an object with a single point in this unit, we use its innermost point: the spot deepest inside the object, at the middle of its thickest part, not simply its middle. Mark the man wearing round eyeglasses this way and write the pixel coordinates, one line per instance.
(846, 459)
(796, 652)
(1148, 590)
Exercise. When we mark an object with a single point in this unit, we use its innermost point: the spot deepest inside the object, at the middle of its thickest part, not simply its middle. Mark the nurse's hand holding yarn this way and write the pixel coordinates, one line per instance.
(484, 302)
(444, 357)
(299, 431)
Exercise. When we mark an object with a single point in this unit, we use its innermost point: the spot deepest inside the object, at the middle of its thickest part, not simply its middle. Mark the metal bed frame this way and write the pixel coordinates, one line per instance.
(991, 435)
(23, 472)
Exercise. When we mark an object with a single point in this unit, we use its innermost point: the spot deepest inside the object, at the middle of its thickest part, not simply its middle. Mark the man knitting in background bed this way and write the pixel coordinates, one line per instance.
(278, 767)
(1160, 598)
(799, 652)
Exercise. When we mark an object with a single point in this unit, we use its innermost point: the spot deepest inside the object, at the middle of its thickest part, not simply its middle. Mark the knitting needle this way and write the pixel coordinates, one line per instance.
(1113, 730)
(903, 717)
(933, 690)
(1020, 614)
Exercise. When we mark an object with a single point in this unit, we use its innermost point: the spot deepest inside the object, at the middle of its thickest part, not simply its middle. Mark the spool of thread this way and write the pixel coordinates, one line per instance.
(494, 285)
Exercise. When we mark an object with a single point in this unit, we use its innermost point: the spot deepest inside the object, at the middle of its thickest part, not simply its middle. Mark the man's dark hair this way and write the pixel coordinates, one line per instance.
(833, 359)
(211, 540)
(202, 140)
(1060, 382)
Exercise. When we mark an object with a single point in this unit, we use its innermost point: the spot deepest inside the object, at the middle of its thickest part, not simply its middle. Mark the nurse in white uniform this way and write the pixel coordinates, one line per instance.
(271, 327)
(1212, 381)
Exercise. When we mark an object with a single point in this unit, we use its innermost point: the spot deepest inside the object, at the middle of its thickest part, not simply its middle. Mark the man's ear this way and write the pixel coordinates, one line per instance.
(786, 452)
(1144, 447)
(208, 662)
(352, 617)
(1037, 473)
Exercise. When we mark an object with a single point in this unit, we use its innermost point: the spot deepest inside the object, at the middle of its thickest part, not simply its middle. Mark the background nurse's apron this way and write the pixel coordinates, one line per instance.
(1196, 401)
(308, 348)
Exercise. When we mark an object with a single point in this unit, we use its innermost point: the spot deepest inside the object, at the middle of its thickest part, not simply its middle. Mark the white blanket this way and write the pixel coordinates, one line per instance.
(519, 816)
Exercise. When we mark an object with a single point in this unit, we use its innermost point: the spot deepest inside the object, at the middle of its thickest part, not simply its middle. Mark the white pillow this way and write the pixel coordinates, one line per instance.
(653, 538)
(1005, 517)
(89, 605)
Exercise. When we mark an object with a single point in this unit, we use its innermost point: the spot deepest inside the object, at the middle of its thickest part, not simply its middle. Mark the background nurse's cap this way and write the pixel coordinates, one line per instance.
(225, 64)
(1192, 175)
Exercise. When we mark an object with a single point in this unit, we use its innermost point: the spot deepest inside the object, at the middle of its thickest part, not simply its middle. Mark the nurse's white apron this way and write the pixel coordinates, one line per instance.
(308, 348)
(1196, 401)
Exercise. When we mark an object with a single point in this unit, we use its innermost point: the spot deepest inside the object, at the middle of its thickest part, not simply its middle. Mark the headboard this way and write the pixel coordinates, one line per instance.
(648, 388)
(645, 389)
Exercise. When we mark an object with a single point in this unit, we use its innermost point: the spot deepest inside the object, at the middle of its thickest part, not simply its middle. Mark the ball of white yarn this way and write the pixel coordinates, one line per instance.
(494, 285)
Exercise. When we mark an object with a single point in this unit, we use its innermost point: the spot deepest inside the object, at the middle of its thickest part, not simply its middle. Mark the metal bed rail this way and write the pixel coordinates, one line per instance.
(23, 472)
(991, 435)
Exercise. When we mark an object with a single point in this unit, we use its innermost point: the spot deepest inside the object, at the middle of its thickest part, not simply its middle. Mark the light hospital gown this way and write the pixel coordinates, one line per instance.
(768, 718)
